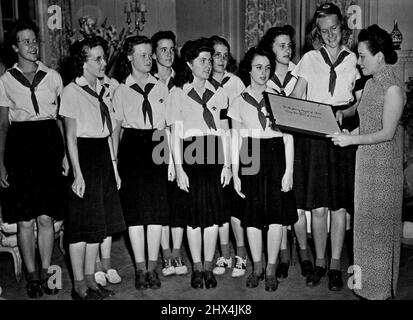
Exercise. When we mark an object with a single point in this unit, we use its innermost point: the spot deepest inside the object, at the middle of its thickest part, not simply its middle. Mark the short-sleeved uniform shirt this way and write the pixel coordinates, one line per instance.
(245, 113)
(17, 97)
(166, 83)
(316, 71)
(127, 103)
(186, 113)
(80, 105)
(289, 86)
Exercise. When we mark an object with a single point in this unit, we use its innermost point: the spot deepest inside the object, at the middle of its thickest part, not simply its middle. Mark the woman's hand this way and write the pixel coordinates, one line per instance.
(226, 176)
(237, 186)
(171, 171)
(65, 166)
(182, 180)
(78, 186)
(343, 139)
(287, 182)
(3, 177)
(339, 117)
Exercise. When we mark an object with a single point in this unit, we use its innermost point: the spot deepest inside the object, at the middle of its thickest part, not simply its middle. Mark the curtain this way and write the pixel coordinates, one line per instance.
(260, 15)
(59, 39)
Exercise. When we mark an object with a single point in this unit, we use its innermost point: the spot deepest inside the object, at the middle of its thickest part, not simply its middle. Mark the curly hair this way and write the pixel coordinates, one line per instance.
(79, 52)
(125, 67)
(21, 25)
(379, 40)
(232, 63)
(245, 65)
(190, 51)
(269, 37)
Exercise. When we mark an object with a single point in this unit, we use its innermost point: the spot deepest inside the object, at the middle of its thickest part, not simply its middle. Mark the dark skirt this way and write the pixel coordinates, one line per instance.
(261, 182)
(98, 214)
(203, 205)
(324, 173)
(144, 174)
(33, 157)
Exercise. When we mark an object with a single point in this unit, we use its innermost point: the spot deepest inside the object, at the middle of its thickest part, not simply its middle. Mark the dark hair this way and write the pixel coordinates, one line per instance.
(79, 52)
(125, 67)
(21, 25)
(232, 63)
(269, 37)
(164, 35)
(379, 40)
(322, 11)
(245, 65)
(190, 51)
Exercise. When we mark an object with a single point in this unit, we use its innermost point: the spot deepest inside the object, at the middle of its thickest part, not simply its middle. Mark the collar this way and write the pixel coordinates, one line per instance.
(344, 48)
(251, 93)
(383, 73)
(188, 86)
(40, 66)
(130, 80)
(81, 81)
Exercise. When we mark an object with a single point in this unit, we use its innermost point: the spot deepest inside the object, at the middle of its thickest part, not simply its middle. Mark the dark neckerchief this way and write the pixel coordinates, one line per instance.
(104, 110)
(208, 117)
(146, 105)
(171, 83)
(282, 86)
(333, 74)
(38, 77)
(258, 105)
(216, 84)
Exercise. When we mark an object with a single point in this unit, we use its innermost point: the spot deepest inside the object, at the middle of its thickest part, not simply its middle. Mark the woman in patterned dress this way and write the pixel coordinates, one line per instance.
(379, 169)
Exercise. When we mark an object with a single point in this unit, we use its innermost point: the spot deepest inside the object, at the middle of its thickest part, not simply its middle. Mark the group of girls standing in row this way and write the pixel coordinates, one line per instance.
(156, 154)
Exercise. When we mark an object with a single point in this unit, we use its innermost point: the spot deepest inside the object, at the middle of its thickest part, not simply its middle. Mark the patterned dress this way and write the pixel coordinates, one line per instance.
(378, 196)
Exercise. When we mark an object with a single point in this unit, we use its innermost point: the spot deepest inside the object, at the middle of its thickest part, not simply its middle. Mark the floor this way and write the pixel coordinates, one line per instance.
(178, 287)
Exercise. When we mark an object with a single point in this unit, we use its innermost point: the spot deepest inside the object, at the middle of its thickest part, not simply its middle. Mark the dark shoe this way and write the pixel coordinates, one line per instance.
(315, 276)
(271, 283)
(210, 281)
(282, 270)
(140, 280)
(103, 292)
(335, 280)
(196, 280)
(253, 279)
(90, 295)
(306, 267)
(34, 289)
(153, 280)
(46, 289)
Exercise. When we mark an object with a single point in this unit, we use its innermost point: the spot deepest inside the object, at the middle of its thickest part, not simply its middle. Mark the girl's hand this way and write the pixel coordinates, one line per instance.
(339, 117)
(226, 176)
(343, 139)
(65, 166)
(78, 186)
(287, 182)
(182, 180)
(171, 172)
(3, 177)
(237, 186)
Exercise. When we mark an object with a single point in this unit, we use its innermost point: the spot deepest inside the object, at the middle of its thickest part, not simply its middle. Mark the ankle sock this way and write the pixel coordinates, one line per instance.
(152, 265)
(284, 256)
(198, 266)
(43, 274)
(176, 253)
(208, 265)
(80, 287)
(32, 276)
(225, 251)
(270, 271)
(106, 264)
(335, 264)
(304, 255)
(320, 262)
(166, 254)
(258, 267)
(241, 252)
(90, 281)
(140, 266)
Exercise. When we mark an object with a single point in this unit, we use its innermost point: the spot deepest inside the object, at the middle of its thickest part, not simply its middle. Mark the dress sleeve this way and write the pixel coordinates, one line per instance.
(4, 100)
(69, 105)
(234, 110)
(173, 105)
(117, 103)
(303, 67)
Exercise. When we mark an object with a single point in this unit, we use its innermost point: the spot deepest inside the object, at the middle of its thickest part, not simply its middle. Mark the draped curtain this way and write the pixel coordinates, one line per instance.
(59, 39)
(260, 15)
